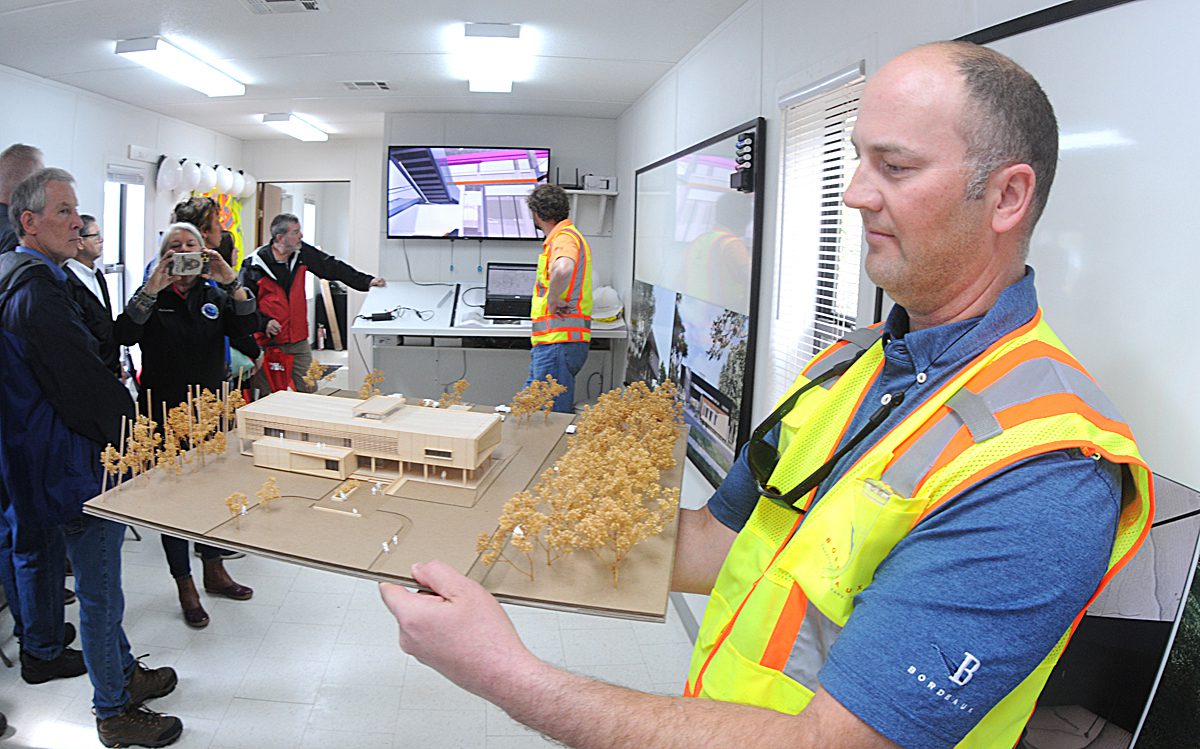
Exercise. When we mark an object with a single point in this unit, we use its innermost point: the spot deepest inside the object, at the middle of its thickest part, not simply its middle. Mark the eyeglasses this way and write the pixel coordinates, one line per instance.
(763, 457)
(89, 236)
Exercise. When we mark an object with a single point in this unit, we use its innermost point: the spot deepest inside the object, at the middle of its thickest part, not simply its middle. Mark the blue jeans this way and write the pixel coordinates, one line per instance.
(32, 567)
(562, 361)
(94, 546)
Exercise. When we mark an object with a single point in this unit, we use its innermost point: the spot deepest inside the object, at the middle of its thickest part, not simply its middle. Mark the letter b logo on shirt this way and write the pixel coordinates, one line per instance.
(966, 670)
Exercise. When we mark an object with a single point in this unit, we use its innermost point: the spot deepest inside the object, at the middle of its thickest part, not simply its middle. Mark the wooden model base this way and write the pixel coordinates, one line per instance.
(427, 521)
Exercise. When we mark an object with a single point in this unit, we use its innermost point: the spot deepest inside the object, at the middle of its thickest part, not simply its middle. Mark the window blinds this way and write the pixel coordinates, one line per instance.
(820, 240)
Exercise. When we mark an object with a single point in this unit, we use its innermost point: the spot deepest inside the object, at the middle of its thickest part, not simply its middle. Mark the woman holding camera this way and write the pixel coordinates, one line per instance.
(180, 320)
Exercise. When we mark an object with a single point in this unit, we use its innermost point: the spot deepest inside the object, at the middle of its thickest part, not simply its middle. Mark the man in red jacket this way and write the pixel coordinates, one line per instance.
(275, 274)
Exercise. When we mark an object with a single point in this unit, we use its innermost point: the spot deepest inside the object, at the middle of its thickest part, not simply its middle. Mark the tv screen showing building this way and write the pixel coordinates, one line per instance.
(462, 192)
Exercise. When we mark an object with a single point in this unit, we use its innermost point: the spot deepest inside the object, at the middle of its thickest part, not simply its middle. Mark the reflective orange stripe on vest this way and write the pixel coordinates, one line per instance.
(575, 326)
(788, 587)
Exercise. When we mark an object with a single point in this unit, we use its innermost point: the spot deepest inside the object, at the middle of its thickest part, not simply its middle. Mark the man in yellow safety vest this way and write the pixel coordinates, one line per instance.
(905, 545)
(562, 296)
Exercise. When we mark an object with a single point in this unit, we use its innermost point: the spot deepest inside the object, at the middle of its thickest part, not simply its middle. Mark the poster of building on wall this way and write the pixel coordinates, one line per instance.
(696, 251)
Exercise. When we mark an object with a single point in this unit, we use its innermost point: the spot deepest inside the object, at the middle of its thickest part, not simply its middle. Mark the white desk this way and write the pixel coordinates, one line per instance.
(422, 357)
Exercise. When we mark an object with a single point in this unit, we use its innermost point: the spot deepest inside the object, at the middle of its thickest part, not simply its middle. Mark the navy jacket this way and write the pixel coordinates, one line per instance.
(59, 404)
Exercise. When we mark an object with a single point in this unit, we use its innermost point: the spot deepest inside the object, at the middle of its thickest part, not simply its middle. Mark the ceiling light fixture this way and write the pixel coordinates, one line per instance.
(493, 56)
(290, 124)
(172, 62)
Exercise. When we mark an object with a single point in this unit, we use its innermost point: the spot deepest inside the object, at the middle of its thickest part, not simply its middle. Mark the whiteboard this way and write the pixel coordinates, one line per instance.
(1117, 252)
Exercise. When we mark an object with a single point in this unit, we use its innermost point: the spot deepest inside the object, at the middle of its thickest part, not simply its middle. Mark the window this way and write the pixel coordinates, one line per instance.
(331, 465)
(820, 240)
(442, 454)
(124, 227)
(273, 432)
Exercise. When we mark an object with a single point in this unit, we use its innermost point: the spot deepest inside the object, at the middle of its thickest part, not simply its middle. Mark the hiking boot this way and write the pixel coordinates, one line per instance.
(69, 663)
(138, 726)
(149, 683)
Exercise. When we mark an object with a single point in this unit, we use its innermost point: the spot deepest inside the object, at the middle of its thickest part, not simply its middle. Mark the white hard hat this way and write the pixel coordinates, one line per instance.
(606, 305)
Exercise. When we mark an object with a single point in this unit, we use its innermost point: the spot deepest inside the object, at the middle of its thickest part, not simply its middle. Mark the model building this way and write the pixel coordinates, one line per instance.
(380, 438)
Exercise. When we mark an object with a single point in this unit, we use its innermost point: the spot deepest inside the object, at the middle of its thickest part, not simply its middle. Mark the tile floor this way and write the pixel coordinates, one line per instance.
(312, 661)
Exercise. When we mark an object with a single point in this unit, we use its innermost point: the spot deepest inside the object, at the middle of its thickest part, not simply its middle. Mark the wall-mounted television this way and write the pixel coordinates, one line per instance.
(462, 192)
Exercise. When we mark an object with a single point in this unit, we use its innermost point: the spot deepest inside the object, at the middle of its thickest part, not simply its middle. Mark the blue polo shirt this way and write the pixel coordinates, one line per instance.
(60, 275)
(986, 584)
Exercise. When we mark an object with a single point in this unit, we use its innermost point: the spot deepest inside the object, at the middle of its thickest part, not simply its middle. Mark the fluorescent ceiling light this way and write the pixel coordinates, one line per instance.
(492, 55)
(165, 59)
(292, 125)
(1092, 139)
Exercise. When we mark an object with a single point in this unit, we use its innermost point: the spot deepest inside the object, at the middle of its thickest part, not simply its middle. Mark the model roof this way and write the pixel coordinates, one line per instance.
(311, 409)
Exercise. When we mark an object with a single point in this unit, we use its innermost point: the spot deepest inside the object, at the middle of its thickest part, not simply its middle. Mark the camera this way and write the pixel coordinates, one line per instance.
(189, 263)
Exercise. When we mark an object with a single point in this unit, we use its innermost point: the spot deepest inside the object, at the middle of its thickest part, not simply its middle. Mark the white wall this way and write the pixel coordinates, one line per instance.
(85, 133)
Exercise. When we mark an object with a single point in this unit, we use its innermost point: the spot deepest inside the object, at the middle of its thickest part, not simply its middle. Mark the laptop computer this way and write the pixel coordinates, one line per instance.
(508, 293)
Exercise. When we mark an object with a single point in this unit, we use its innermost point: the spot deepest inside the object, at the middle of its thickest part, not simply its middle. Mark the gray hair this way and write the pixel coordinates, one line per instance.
(17, 162)
(1008, 120)
(178, 226)
(30, 195)
(282, 224)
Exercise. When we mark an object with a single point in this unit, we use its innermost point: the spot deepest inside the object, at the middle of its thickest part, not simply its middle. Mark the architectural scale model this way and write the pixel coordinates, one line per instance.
(381, 438)
(368, 488)
(318, 372)
(604, 494)
(454, 396)
(539, 395)
(370, 383)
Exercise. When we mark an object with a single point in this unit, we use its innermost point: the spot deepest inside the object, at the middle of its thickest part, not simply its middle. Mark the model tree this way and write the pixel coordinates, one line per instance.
(268, 493)
(237, 504)
(368, 389)
(603, 495)
(522, 522)
(539, 395)
(195, 427)
(454, 396)
(318, 372)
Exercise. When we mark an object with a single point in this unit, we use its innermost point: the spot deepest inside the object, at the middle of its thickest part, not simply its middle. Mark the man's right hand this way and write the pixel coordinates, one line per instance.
(273, 327)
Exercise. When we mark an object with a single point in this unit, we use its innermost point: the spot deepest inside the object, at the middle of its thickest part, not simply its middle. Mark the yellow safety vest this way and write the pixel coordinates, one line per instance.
(787, 588)
(576, 324)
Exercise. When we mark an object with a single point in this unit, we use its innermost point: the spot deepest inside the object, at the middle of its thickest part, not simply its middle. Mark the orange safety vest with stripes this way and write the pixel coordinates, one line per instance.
(787, 588)
(576, 323)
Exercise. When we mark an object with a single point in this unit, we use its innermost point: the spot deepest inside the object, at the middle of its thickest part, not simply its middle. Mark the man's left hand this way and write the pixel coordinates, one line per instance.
(378, 281)
(458, 629)
(557, 307)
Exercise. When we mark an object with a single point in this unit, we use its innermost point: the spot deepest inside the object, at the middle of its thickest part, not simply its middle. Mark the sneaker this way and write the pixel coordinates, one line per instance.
(68, 633)
(138, 726)
(69, 663)
(68, 596)
(148, 683)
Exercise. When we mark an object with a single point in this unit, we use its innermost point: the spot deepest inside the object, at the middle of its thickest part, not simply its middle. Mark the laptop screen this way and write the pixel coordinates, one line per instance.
(509, 290)
(510, 280)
